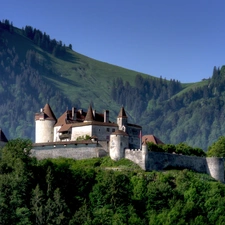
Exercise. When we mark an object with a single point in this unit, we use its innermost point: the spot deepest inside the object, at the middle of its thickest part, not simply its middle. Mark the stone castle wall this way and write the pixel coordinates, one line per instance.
(163, 161)
(136, 156)
(146, 160)
(74, 151)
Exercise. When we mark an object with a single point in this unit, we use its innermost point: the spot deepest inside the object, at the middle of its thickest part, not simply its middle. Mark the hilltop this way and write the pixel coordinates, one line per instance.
(36, 69)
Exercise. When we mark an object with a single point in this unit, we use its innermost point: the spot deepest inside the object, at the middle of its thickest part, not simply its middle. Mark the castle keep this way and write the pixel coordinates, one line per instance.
(63, 137)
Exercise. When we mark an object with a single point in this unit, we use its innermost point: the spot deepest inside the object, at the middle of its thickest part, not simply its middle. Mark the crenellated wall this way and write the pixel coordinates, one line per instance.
(162, 161)
(137, 156)
(146, 160)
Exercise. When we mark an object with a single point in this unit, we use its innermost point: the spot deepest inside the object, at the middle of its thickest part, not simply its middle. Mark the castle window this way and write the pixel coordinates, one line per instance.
(113, 130)
(107, 129)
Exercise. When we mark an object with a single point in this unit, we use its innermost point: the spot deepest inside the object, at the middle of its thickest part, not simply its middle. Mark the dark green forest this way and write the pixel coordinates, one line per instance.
(100, 191)
(195, 116)
(35, 69)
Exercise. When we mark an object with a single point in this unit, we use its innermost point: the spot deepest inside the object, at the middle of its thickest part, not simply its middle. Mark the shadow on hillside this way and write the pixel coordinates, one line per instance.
(48, 71)
(51, 74)
(61, 79)
(69, 57)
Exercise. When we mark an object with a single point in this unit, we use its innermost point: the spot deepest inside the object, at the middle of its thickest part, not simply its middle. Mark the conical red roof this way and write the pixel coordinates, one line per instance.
(89, 116)
(48, 112)
(122, 113)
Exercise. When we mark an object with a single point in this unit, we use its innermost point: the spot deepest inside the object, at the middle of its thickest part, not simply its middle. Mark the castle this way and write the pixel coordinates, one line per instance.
(65, 137)
(74, 124)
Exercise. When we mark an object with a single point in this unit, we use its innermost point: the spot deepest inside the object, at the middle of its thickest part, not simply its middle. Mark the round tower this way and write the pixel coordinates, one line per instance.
(44, 125)
(119, 140)
(144, 156)
(215, 168)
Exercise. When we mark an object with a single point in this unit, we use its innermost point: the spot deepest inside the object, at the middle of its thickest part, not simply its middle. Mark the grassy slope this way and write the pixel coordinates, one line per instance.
(78, 77)
(188, 86)
(78, 73)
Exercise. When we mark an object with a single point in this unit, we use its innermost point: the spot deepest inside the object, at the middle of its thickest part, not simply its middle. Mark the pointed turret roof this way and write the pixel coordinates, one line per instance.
(3, 137)
(122, 113)
(89, 116)
(48, 112)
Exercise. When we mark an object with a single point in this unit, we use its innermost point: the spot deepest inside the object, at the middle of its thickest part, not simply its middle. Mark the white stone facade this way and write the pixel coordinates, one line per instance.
(81, 131)
(44, 130)
(77, 123)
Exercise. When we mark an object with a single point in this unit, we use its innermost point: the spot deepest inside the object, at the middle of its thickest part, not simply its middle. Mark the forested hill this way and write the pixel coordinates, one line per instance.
(102, 191)
(35, 69)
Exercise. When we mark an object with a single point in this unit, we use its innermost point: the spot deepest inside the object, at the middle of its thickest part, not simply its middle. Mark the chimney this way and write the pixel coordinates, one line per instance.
(106, 116)
(67, 117)
(74, 113)
(94, 112)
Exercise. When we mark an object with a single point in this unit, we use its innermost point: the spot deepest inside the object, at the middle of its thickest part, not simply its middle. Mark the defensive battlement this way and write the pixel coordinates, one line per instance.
(137, 156)
(133, 150)
(148, 161)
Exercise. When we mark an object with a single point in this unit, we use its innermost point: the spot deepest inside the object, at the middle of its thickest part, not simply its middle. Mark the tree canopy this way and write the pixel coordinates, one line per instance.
(101, 191)
(217, 148)
(181, 148)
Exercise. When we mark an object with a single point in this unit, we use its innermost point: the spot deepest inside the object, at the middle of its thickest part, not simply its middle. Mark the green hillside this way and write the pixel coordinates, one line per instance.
(35, 69)
(101, 191)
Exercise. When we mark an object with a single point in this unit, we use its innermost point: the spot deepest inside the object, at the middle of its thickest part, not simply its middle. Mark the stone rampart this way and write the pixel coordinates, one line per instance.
(163, 161)
(146, 160)
(74, 151)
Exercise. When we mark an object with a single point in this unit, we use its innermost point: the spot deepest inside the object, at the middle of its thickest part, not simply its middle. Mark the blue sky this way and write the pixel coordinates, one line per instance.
(175, 39)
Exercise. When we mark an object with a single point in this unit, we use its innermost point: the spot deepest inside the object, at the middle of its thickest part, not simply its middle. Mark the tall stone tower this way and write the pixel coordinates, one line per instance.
(122, 119)
(119, 140)
(44, 124)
